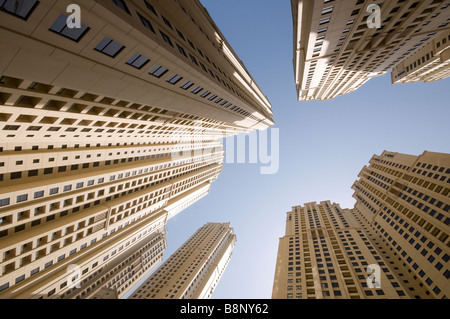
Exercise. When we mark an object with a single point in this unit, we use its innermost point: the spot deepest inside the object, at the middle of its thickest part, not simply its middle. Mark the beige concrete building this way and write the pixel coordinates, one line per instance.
(335, 50)
(399, 222)
(403, 200)
(194, 270)
(118, 277)
(325, 254)
(107, 130)
(430, 63)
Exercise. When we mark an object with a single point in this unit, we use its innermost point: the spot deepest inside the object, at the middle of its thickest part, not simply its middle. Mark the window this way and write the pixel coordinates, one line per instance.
(146, 23)
(22, 198)
(4, 202)
(121, 4)
(187, 85)
(205, 94)
(158, 71)
(166, 38)
(197, 89)
(174, 79)
(109, 47)
(39, 194)
(167, 22)
(150, 7)
(193, 59)
(23, 10)
(327, 10)
(138, 61)
(16, 175)
(181, 50)
(60, 27)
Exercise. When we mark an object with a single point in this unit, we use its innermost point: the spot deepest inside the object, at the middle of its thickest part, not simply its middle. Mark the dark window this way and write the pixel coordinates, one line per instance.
(21, 9)
(187, 85)
(16, 175)
(109, 47)
(11, 127)
(150, 7)
(20, 278)
(121, 4)
(158, 71)
(167, 22)
(33, 172)
(174, 79)
(60, 27)
(22, 198)
(4, 202)
(181, 50)
(146, 23)
(197, 89)
(39, 194)
(166, 38)
(138, 61)
(193, 59)
(205, 94)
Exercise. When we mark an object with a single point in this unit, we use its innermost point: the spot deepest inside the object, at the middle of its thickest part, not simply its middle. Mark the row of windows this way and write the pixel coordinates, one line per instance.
(422, 206)
(112, 48)
(159, 70)
(69, 202)
(424, 252)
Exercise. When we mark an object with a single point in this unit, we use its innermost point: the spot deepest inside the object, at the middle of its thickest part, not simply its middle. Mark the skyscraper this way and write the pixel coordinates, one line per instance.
(430, 63)
(404, 201)
(194, 270)
(336, 50)
(325, 254)
(399, 224)
(108, 128)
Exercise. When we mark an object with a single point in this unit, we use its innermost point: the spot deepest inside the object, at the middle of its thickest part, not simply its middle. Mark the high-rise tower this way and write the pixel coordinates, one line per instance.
(193, 271)
(336, 50)
(404, 201)
(325, 254)
(399, 224)
(430, 63)
(107, 129)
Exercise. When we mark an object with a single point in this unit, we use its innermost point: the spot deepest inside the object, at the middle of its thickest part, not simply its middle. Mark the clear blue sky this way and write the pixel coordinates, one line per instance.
(323, 145)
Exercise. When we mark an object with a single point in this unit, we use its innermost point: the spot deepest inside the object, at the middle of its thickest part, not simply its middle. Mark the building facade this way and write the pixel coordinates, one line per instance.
(430, 63)
(107, 130)
(404, 201)
(325, 254)
(399, 223)
(120, 276)
(194, 270)
(336, 50)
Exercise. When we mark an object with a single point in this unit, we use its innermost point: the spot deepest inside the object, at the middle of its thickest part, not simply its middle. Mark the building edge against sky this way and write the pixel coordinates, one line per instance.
(194, 270)
(399, 222)
(97, 127)
(335, 51)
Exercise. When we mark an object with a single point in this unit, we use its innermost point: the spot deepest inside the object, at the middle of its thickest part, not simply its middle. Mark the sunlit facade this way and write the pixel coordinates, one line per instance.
(400, 223)
(430, 63)
(194, 270)
(335, 50)
(107, 131)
